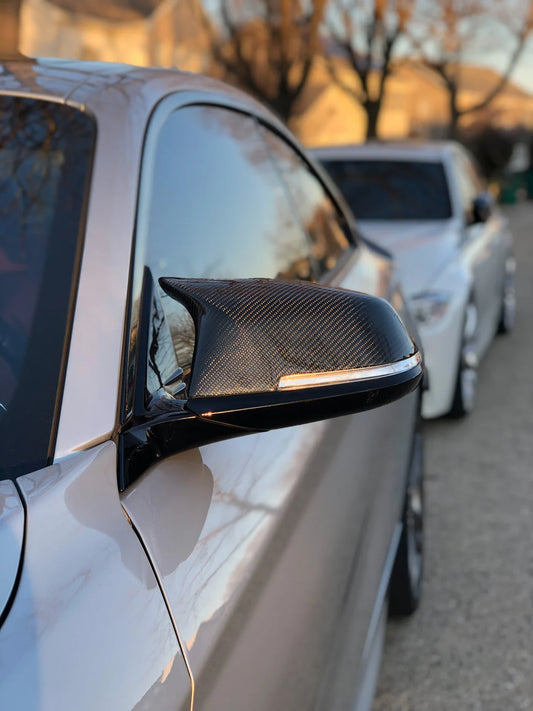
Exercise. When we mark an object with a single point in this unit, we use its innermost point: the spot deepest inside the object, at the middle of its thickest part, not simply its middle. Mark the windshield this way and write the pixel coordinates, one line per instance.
(45, 156)
(392, 190)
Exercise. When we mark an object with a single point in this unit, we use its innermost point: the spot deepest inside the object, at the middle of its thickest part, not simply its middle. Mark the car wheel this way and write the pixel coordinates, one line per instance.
(406, 578)
(508, 307)
(464, 396)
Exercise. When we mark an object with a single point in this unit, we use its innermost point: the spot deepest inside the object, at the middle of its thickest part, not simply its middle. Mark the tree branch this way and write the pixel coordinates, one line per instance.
(499, 86)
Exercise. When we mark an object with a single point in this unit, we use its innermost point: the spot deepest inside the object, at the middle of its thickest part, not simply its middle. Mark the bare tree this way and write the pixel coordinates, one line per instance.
(451, 33)
(365, 33)
(267, 47)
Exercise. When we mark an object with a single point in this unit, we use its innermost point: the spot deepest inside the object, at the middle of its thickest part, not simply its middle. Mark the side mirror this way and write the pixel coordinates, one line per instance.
(271, 354)
(481, 208)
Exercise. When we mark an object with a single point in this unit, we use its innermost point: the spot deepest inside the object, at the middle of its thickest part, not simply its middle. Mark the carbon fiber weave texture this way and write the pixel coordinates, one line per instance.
(250, 332)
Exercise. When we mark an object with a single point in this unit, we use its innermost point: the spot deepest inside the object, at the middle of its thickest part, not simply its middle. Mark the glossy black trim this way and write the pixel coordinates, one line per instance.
(143, 342)
(166, 430)
(265, 411)
(169, 427)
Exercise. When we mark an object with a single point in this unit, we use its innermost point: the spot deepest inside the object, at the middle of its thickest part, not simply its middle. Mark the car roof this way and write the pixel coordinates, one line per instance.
(383, 150)
(82, 83)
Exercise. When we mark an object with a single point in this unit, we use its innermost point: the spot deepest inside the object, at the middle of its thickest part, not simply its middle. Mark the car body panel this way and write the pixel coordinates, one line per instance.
(442, 355)
(486, 249)
(420, 258)
(11, 539)
(88, 627)
(427, 266)
(258, 597)
(401, 150)
(464, 261)
(255, 554)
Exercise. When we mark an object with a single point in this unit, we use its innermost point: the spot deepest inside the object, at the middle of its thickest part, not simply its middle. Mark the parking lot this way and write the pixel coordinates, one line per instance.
(470, 646)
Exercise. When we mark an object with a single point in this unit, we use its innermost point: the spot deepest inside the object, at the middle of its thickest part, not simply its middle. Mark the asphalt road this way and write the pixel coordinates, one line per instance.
(470, 645)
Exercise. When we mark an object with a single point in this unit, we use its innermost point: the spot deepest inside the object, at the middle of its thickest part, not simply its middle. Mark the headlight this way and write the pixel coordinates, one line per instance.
(429, 306)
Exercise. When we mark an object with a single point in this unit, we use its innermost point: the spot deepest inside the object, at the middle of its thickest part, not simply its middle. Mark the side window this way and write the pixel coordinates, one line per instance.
(323, 222)
(212, 205)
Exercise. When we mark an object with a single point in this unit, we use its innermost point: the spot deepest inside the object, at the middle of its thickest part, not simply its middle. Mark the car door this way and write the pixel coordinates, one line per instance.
(484, 250)
(267, 545)
(501, 250)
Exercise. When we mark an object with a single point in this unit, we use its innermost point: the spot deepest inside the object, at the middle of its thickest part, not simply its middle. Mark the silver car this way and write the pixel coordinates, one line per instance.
(170, 267)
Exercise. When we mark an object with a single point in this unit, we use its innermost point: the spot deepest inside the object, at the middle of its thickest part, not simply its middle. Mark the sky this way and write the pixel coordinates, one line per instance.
(523, 72)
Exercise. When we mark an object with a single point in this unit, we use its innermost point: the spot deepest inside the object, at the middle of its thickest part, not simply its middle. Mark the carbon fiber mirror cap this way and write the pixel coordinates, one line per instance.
(305, 350)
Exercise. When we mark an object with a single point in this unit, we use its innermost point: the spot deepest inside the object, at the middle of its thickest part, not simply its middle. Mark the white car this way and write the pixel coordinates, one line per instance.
(170, 264)
(427, 204)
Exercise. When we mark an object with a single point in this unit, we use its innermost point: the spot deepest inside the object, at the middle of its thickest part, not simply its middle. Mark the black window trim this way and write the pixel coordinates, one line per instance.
(322, 176)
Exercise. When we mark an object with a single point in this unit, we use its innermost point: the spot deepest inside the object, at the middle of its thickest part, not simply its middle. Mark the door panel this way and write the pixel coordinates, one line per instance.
(88, 628)
(485, 256)
(495, 273)
(483, 251)
(258, 597)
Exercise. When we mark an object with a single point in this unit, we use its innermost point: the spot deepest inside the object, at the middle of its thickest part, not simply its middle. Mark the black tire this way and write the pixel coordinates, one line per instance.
(406, 577)
(464, 395)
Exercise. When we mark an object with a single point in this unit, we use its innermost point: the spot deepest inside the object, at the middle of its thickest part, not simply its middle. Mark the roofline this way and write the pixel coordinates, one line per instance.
(383, 150)
(79, 83)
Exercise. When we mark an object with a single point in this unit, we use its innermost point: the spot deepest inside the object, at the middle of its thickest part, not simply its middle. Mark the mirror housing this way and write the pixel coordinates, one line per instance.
(271, 354)
(482, 207)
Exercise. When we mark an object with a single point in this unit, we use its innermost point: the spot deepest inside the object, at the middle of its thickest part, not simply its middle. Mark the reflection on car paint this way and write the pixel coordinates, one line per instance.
(84, 639)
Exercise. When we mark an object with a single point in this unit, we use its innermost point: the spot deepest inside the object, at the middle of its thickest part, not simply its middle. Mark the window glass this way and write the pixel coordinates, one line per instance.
(216, 208)
(392, 190)
(45, 156)
(323, 222)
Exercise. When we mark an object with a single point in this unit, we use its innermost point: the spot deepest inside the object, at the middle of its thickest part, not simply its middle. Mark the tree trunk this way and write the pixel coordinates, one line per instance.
(281, 105)
(372, 109)
(454, 114)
